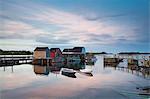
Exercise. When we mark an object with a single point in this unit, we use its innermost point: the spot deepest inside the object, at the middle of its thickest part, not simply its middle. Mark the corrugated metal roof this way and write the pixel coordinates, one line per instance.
(41, 48)
(73, 53)
(75, 49)
(54, 49)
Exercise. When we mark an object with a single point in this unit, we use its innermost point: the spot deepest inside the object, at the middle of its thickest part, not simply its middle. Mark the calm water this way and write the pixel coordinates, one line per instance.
(25, 82)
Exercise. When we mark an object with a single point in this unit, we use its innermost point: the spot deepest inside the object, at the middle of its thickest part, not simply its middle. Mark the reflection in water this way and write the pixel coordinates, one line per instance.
(87, 72)
(43, 70)
(92, 81)
(75, 65)
(135, 65)
(67, 69)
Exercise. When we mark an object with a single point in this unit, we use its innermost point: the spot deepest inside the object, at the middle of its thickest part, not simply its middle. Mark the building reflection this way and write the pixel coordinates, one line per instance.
(68, 69)
(139, 67)
(41, 70)
(75, 65)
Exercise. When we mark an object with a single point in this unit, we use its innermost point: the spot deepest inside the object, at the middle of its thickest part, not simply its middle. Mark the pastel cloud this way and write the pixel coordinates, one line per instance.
(18, 29)
(51, 25)
(80, 27)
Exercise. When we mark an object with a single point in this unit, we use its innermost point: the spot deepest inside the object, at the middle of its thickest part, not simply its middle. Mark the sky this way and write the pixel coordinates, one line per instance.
(98, 25)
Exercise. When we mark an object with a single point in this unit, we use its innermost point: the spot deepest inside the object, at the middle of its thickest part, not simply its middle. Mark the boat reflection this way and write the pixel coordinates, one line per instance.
(87, 72)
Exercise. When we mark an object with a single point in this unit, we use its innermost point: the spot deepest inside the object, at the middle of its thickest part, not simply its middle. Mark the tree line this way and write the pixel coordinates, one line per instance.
(13, 52)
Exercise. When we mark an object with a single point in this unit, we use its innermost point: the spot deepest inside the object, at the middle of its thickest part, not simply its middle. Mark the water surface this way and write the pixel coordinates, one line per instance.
(22, 82)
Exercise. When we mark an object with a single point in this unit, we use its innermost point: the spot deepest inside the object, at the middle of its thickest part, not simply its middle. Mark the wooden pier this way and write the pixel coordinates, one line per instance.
(10, 60)
(112, 61)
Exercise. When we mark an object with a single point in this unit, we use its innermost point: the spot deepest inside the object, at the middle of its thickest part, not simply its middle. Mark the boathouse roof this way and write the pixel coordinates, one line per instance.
(41, 48)
(78, 49)
(54, 49)
(68, 50)
(75, 49)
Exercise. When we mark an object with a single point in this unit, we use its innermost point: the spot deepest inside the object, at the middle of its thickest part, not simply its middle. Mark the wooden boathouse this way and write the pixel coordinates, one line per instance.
(56, 55)
(74, 54)
(41, 56)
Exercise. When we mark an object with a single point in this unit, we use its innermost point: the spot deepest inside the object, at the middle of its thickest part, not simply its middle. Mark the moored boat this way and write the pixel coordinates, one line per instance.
(68, 72)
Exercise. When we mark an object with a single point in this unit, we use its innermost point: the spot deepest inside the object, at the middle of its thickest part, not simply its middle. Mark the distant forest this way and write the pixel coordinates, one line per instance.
(95, 53)
(13, 52)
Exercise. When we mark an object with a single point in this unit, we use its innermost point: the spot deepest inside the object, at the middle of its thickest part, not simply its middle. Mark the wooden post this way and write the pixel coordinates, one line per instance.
(12, 60)
(12, 70)
(42, 62)
(4, 67)
(47, 61)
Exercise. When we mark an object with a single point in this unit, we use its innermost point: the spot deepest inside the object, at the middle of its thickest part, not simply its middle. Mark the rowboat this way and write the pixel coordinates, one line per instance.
(68, 72)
